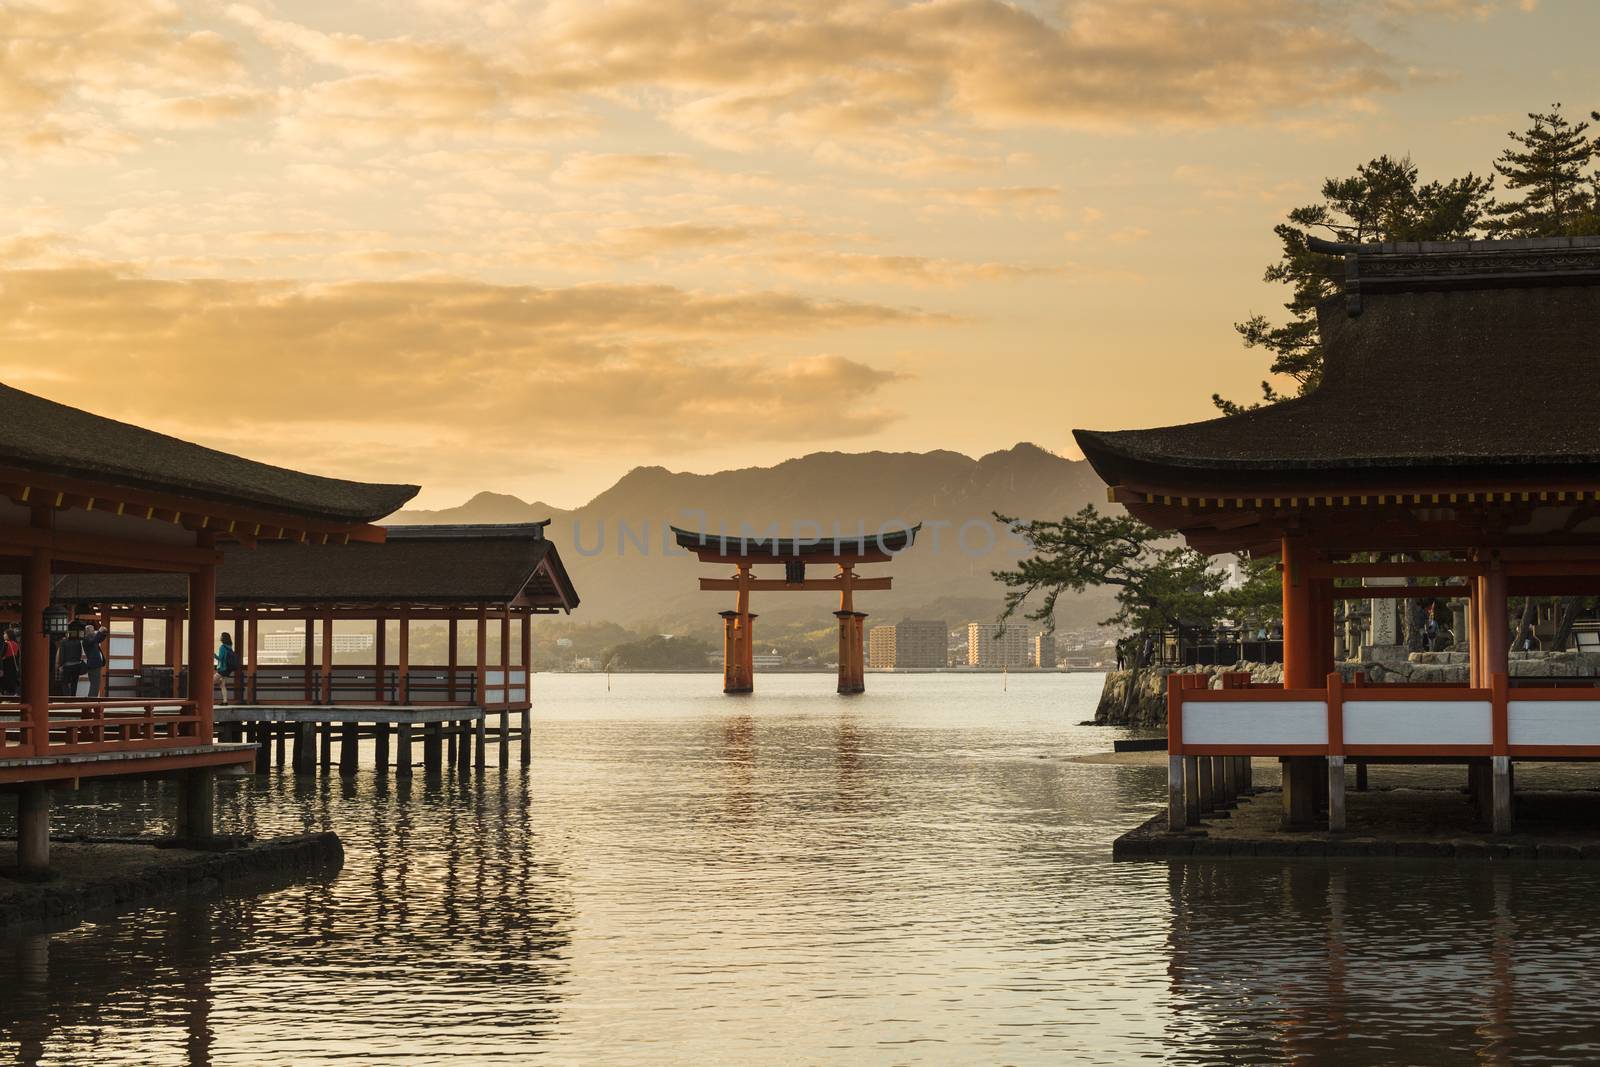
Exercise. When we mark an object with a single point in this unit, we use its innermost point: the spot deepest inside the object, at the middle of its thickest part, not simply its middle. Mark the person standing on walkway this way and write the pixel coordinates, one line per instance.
(94, 657)
(10, 664)
(69, 661)
(227, 664)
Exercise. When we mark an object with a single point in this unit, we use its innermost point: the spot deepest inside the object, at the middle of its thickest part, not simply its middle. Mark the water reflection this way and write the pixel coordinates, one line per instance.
(914, 877)
(1382, 963)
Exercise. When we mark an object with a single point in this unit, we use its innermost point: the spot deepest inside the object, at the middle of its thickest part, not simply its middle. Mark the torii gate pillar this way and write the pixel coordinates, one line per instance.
(852, 651)
(738, 655)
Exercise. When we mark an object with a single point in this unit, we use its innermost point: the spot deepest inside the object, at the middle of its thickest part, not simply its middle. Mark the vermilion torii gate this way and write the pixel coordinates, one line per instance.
(794, 554)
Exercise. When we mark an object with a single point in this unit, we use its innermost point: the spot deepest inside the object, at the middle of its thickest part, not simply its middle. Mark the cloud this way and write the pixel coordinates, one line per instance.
(75, 73)
(618, 367)
(899, 270)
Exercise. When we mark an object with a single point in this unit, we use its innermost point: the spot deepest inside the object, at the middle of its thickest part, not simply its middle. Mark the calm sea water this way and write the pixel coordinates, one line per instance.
(910, 877)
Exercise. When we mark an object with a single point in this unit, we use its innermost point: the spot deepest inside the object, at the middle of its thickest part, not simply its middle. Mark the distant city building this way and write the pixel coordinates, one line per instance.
(766, 660)
(921, 643)
(989, 646)
(1044, 651)
(881, 644)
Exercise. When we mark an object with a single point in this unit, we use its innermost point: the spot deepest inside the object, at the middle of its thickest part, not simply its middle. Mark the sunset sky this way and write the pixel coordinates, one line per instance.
(484, 244)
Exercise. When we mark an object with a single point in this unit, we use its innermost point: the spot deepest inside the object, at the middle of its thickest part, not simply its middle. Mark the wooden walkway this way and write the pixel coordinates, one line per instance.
(301, 736)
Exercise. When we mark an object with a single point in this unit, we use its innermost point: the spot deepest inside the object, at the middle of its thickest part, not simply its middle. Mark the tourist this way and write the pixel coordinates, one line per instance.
(1530, 640)
(227, 664)
(10, 664)
(69, 661)
(94, 657)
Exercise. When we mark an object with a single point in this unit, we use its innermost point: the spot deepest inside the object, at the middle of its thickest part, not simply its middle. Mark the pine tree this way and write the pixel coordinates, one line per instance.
(1551, 168)
(1382, 201)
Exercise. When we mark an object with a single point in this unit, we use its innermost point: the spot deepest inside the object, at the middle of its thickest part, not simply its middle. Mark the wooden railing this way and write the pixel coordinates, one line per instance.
(1420, 720)
(365, 684)
(100, 726)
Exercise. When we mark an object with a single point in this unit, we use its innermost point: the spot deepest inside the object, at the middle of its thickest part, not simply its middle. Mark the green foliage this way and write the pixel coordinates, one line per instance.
(1156, 586)
(1549, 163)
(659, 652)
(1383, 201)
(1258, 600)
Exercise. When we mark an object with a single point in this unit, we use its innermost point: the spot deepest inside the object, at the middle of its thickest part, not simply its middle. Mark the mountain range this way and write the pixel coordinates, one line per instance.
(613, 546)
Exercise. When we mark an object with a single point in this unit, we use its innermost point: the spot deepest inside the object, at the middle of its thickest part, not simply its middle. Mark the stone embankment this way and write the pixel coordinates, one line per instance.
(1138, 698)
(109, 875)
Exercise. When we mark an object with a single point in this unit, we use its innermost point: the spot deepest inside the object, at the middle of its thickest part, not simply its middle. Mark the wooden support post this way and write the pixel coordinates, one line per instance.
(280, 742)
(402, 689)
(311, 659)
(481, 688)
(1502, 803)
(304, 748)
(1336, 794)
(1208, 794)
(380, 639)
(432, 748)
(348, 751)
(380, 746)
(527, 689)
(327, 657)
(174, 643)
(246, 682)
(1227, 790)
(1175, 817)
(1191, 791)
(202, 639)
(450, 672)
(467, 730)
(402, 763)
(505, 691)
(1300, 778)
(452, 735)
(196, 805)
(263, 743)
(325, 744)
(36, 665)
(1361, 776)
(33, 819)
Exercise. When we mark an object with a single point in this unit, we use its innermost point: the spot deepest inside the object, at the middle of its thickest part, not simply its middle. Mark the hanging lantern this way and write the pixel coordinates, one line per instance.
(55, 620)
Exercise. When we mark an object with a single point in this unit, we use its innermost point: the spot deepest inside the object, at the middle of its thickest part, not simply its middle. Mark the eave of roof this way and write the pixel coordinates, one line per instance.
(51, 439)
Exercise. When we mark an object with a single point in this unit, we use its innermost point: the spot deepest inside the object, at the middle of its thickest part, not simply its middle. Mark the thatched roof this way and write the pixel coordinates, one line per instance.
(42, 436)
(1446, 364)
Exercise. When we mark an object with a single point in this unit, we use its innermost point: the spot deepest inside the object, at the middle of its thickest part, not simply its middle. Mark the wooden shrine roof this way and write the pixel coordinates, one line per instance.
(44, 437)
(423, 565)
(821, 549)
(1448, 366)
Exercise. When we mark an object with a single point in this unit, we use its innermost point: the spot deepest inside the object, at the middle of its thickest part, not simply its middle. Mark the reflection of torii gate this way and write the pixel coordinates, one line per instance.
(738, 646)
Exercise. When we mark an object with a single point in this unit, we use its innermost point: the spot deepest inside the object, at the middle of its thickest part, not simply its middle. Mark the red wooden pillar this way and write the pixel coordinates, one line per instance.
(35, 645)
(247, 682)
(175, 648)
(403, 668)
(380, 639)
(527, 658)
(310, 657)
(505, 657)
(846, 650)
(450, 671)
(202, 633)
(1301, 661)
(482, 670)
(1494, 624)
(327, 657)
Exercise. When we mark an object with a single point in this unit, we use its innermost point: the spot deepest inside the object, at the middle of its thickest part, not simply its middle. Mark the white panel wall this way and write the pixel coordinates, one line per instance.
(1418, 722)
(1553, 722)
(1255, 722)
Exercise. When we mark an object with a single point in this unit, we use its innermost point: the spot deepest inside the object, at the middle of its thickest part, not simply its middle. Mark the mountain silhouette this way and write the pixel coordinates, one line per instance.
(614, 545)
